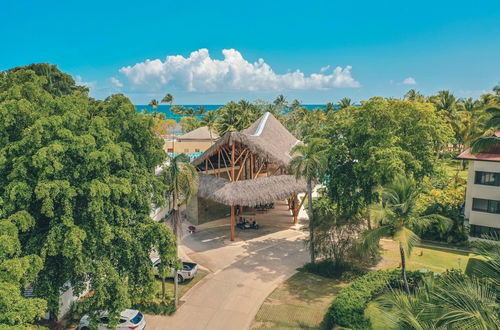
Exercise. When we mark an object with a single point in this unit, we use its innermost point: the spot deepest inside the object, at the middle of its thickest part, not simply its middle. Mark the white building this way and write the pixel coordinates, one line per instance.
(482, 201)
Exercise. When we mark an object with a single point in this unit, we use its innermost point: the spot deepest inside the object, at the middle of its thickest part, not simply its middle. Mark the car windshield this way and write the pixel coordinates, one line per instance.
(136, 319)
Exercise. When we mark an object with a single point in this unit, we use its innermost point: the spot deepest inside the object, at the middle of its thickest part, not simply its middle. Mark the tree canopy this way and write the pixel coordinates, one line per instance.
(79, 173)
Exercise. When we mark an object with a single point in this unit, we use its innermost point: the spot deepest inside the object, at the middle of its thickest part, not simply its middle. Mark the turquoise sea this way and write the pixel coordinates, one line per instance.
(165, 108)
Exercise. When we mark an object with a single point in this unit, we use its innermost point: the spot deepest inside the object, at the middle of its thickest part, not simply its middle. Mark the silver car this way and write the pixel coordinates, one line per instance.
(129, 319)
(189, 270)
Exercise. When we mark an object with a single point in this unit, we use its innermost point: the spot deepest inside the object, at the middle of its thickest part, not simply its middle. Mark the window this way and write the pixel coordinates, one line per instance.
(487, 178)
(186, 151)
(484, 232)
(486, 205)
(171, 150)
(196, 150)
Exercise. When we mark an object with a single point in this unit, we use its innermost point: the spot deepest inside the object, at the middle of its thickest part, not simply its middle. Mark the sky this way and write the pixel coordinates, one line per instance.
(211, 52)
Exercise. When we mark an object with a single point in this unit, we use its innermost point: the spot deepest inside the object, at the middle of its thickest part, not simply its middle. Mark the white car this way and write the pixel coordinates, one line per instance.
(189, 270)
(129, 319)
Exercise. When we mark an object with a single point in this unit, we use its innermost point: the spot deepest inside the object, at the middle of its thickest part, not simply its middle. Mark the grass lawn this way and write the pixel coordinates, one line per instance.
(454, 166)
(432, 258)
(183, 287)
(299, 303)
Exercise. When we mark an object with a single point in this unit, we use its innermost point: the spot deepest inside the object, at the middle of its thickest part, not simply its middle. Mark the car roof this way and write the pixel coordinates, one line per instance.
(129, 313)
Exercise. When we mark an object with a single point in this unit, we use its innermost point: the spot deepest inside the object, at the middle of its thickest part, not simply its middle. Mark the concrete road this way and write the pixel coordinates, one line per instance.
(242, 275)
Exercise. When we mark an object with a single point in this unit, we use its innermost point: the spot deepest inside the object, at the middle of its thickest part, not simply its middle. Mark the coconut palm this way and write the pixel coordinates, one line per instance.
(450, 301)
(200, 110)
(397, 217)
(493, 140)
(209, 120)
(414, 95)
(181, 180)
(280, 103)
(154, 104)
(229, 118)
(345, 102)
(168, 98)
(329, 107)
(309, 162)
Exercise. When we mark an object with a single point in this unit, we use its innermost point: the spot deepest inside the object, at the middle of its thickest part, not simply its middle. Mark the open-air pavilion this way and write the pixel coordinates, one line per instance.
(247, 169)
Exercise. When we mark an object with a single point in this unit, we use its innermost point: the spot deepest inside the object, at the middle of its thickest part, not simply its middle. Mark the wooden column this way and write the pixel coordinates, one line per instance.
(233, 224)
(232, 163)
(218, 163)
(233, 218)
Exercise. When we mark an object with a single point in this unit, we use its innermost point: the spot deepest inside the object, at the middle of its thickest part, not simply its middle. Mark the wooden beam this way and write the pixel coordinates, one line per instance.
(241, 154)
(258, 172)
(301, 203)
(232, 162)
(241, 167)
(232, 221)
(213, 167)
(218, 162)
(227, 168)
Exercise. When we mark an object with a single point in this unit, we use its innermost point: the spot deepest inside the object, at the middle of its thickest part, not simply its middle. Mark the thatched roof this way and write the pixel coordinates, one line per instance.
(201, 133)
(249, 192)
(266, 137)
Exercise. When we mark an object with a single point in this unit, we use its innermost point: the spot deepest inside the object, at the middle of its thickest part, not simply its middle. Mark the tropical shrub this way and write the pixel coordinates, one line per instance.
(348, 308)
(331, 269)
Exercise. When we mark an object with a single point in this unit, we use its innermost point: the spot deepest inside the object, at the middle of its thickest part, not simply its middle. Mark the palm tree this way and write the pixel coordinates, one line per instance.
(329, 107)
(446, 101)
(229, 118)
(200, 110)
(154, 104)
(414, 95)
(190, 112)
(168, 98)
(450, 301)
(309, 162)
(493, 140)
(398, 217)
(345, 102)
(181, 180)
(209, 119)
(280, 103)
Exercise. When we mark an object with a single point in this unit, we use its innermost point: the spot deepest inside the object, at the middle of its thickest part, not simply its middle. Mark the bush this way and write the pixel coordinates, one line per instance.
(155, 306)
(347, 309)
(331, 269)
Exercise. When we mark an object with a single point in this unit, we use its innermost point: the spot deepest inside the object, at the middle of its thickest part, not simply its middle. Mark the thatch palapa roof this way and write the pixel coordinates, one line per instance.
(266, 137)
(249, 192)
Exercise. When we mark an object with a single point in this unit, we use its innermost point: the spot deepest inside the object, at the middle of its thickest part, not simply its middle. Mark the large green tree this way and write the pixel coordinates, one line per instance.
(83, 170)
(371, 144)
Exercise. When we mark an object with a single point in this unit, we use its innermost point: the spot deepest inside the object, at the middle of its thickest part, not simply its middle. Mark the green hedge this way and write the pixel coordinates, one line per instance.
(347, 309)
(155, 306)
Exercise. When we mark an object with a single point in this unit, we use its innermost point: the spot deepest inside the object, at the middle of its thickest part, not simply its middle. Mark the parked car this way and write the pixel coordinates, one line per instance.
(189, 270)
(129, 319)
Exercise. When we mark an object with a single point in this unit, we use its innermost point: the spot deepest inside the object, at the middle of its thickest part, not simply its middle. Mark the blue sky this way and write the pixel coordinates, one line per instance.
(380, 47)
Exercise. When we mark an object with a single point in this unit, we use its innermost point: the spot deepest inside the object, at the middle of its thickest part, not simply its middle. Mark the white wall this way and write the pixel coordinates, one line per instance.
(481, 191)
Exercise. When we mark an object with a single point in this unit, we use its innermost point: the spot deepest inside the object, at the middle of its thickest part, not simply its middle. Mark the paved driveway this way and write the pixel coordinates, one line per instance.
(242, 275)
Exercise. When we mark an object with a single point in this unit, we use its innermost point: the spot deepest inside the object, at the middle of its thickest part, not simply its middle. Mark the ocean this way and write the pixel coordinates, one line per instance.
(165, 108)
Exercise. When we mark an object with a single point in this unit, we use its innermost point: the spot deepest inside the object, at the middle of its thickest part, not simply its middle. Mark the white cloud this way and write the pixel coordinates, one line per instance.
(409, 81)
(89, 84)
(325, 68)
(200, 73)
(116, 82)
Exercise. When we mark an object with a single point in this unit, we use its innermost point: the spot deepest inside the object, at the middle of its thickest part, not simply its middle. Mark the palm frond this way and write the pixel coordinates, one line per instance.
(485, 143)
(370, 239)
(407, 238)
